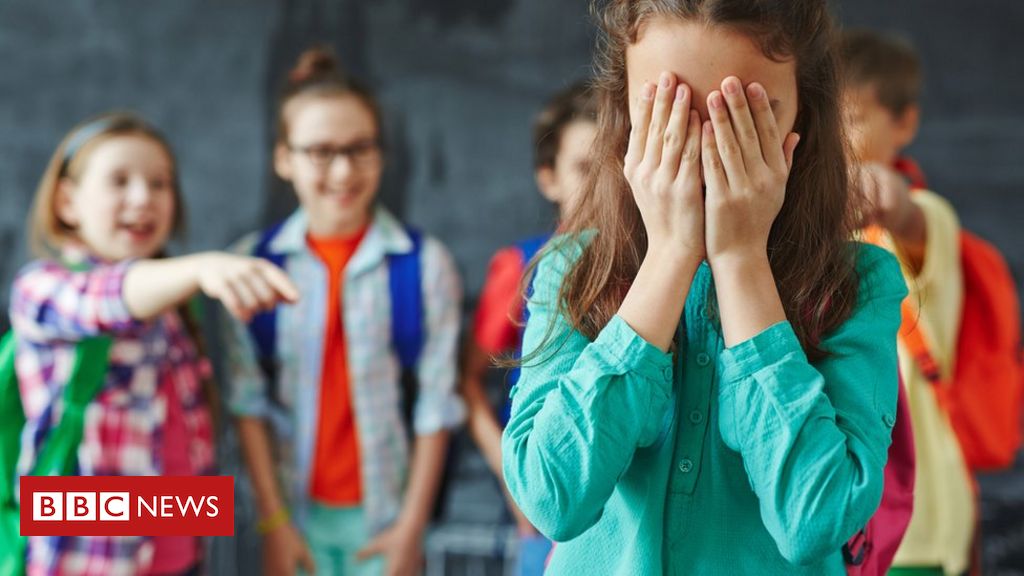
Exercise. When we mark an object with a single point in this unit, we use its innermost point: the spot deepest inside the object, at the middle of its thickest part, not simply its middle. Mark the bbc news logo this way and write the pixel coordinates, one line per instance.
(127, 506)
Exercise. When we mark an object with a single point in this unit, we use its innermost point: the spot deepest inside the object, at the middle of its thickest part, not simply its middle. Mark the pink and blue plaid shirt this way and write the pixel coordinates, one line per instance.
(52, 308)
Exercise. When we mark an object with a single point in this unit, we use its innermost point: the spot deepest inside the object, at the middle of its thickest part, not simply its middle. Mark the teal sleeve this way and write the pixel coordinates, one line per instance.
(814, 438)
(579, 411)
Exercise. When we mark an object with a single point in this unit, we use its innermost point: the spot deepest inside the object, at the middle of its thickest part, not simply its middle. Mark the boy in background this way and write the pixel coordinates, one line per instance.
(881, 103)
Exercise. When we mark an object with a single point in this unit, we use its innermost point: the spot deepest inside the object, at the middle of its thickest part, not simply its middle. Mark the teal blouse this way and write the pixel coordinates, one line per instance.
(712, 460)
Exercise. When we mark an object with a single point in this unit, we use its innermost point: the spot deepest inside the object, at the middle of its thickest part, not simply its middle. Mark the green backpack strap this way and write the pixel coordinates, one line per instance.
(12, 419)
(88, 373)
(58, 454)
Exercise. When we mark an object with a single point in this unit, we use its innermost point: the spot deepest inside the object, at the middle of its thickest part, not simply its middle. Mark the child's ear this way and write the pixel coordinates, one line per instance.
(545, 176)
(907, 125)
(64, 205)
(282, 161)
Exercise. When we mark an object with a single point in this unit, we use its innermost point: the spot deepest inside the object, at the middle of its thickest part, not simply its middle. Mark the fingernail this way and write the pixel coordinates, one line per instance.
(666, 79)
(755, 91)
(716, 100)
(648, 91)
(732, 86)
(680, 93)
(797, 140)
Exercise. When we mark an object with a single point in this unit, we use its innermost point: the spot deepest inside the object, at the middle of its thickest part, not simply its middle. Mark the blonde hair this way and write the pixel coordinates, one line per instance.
(48, 234)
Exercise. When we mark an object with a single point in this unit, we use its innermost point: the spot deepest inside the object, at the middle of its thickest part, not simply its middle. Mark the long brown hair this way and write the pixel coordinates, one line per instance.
(48, 233)
(808, 247)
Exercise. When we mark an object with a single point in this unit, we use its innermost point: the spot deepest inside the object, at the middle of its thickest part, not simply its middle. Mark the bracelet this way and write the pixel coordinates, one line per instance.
(273, 522)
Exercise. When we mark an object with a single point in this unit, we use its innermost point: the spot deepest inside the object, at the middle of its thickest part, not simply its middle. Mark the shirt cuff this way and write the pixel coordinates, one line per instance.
(436, 412)
(618, 341)
(767, 348)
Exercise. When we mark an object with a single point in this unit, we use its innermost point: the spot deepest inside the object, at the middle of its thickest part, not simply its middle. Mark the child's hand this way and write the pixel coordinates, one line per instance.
(284, 551)
(886, 195)
(746, 166)
(401, 547)
(245, 285)
(662, 166)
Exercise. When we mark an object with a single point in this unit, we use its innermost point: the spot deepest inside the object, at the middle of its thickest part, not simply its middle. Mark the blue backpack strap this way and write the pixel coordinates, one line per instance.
(531, 246)
(408, 334)
(528, 249)
(263, 326)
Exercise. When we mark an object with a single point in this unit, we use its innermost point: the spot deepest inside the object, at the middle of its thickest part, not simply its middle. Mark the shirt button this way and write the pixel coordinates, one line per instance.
(703, 359)
(889, 420)
(685, 465)
(696, 417)
(668, 373)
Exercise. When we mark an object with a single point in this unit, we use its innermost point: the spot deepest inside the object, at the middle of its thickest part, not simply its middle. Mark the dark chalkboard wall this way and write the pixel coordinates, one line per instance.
(460, 81)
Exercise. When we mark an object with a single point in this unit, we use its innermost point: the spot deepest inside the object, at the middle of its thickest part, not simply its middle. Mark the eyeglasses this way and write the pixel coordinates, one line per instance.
(361, 154)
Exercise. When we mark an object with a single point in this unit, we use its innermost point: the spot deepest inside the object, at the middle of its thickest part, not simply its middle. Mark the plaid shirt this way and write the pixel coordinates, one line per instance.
(374, 368)
(52, 308)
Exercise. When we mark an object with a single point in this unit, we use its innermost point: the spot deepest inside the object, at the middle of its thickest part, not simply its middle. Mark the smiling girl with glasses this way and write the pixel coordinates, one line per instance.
(360, 449)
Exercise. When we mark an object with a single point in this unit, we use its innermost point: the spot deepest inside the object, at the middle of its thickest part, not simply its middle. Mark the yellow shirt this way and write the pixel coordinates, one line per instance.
(944, 517)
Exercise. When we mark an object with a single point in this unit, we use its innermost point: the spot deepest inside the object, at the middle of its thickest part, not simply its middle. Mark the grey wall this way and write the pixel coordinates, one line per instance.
(460, 80)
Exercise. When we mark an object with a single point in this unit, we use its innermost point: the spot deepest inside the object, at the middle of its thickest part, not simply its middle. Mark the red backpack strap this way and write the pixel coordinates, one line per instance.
(911, 171)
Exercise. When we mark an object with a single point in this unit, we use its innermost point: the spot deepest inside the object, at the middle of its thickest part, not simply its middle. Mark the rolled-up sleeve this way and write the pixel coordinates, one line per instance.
(438, 405)
(50, 302)
(247, 386)
(814, 438)
(580, 410)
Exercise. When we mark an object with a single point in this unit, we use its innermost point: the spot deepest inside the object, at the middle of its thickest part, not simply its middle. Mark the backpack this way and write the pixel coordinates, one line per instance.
(527, 249)
(405, 281)
(983, 397)
(57, 456)
(871, 550)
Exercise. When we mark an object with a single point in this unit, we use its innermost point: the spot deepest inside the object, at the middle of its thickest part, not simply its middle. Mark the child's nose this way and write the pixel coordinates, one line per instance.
(341, 168)
(139, 191)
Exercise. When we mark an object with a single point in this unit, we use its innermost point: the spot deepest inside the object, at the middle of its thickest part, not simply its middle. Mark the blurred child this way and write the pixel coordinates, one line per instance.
(104, 211)
(881, 101)
(361, 431)
(563, 135)
(709, 379)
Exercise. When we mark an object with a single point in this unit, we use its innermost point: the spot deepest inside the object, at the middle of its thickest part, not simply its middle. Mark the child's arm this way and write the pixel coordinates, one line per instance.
(481, 421)
(494, 332)
(438, 409)
(892, 206)
(935, 263)
(247, 394)
(51, 302)
(284, 549)
(245, 285)
(483, 424)
(814, 439)
(402, 542)
(581, 409)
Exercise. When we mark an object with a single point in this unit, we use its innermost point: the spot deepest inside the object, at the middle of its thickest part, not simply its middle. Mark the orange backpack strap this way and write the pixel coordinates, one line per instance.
(913, 339)
(910, 332)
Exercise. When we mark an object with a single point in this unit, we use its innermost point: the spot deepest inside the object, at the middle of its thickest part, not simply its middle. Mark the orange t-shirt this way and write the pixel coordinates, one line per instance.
(336, 475)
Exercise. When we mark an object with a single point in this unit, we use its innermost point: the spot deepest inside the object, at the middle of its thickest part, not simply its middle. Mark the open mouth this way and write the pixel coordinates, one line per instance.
(138, 231)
